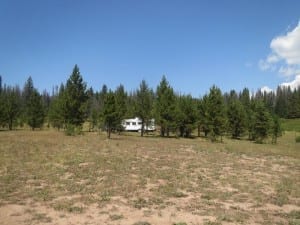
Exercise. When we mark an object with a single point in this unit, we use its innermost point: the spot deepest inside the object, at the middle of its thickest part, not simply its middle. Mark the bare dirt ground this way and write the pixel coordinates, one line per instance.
(49, 178)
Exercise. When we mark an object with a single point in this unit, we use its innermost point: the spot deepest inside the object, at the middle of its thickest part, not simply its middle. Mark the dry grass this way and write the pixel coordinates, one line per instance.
(49, 178)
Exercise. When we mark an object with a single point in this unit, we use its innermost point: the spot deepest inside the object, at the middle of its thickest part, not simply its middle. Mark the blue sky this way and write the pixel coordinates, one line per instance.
(194, 43)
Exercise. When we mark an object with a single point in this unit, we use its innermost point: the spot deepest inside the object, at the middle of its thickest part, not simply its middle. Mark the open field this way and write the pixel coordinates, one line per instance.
(49, 178)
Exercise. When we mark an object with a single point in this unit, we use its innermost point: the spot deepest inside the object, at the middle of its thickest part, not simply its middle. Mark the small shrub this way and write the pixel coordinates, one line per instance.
(140, 203)
(105, 196)
(141, 223)
(297, 139)
(179, 194)
(116, 217)
(72, 130)
(294, 218)
(212, 223)
(42, 217)
(294, 214)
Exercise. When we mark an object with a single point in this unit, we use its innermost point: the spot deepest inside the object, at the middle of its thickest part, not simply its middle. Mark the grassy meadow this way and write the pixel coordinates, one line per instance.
(291, 125)
(49, 178)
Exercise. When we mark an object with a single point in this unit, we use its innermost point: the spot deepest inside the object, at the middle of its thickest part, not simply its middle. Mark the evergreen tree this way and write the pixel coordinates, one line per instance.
(143, 104)
(121, 108)
(216, 113)
(245, 99)
(203, 117)
(229, 97)
(276, 129)
(261, 122)
(46, 100)
(26, 94)
(269, 101)
(236, 118)
(165, 107)
(186, 115)
(10, 106)
(101, 98)
(109, 113)
(35, 110)
(0, 84)
(1, 104)
(28, 89)
(93, 109)
(57, 109)
(33, 105)
(293, 105)
(130, 105)
(75, 97)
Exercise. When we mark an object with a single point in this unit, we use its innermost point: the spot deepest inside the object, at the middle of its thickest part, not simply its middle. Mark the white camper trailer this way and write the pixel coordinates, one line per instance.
(135, 124)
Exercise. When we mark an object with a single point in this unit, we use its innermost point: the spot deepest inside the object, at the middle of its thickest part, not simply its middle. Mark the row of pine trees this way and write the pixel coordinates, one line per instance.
(214, 115)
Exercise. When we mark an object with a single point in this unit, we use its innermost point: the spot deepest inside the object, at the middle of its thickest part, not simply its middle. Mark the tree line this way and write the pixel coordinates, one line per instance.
(214, 115)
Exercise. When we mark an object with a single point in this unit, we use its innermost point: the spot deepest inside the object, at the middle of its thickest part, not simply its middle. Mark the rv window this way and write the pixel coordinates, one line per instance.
(133, 123)
(140, 123)
(127, 123)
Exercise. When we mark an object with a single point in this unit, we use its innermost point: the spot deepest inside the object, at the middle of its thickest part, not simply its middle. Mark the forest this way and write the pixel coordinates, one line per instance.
(255, 116)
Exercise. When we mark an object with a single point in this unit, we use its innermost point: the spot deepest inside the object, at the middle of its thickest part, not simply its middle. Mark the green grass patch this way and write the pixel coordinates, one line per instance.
(291, 124)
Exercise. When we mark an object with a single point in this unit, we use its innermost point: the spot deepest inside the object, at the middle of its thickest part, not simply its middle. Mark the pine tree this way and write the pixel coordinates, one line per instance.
(75, 97)
(130, 105)
(276, 129)
(246, 101)
(203, 118)
(28, 89)
(143, 104)
(0, 84)
(293, 105)
(186, 114)
(281, 102)
(26, 94)
(261, 122)
(1, 104)
(216, 113)
(10, 106)
(109, 113)
(165, 107)
(121, 108)
(57, 109)
(93, 109)
(101, 98)
(236, 118)
(35, 110)
(33, 106)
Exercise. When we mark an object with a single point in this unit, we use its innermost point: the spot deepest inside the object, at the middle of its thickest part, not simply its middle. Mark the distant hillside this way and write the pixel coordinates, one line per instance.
(291, 124)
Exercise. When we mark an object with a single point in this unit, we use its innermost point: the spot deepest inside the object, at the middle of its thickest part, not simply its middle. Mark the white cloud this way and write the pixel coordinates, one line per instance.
(288, 71)
(287, 47)
(293, 84)
(273, 58)
(266, 89)
(285, 56)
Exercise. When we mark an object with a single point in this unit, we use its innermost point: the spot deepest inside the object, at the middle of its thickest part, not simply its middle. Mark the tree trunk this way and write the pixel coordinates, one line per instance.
(181, 130)
(10, 124)
(205, 133)
(108, 132)
(198, 130)
(162, 131)
(142, 131)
